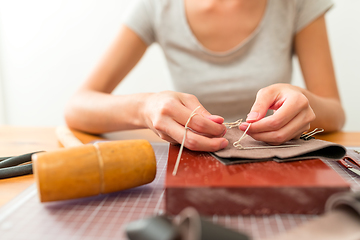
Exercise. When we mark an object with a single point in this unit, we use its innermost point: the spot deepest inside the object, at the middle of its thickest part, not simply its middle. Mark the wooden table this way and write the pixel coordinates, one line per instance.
(15, 140)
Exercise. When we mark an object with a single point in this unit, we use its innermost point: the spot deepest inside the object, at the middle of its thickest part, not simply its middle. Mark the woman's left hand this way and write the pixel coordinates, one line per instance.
(292, 114)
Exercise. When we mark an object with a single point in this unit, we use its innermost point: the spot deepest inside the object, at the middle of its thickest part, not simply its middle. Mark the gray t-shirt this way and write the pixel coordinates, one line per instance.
(225, 83)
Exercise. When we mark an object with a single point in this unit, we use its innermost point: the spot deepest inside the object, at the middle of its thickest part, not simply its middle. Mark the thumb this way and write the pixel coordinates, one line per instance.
(264, 100)
(216, 118)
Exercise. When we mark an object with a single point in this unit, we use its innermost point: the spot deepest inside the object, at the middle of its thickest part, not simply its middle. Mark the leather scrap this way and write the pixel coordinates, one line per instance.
(308, 149)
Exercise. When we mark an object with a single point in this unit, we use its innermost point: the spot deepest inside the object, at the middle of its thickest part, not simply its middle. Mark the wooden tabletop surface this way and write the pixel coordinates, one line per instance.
(16, 140)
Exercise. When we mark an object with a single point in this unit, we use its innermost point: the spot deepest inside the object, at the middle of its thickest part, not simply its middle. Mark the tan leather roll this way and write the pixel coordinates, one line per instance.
(90, 170)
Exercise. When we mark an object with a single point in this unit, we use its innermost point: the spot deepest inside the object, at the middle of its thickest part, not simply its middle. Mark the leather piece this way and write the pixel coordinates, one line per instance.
(308, 149)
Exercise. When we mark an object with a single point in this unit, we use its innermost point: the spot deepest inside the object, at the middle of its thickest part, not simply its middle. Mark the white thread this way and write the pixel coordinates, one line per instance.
(101, 166)
(240, 147)
(237, 143)
(267, 147)
(233, 124)
(183, 141)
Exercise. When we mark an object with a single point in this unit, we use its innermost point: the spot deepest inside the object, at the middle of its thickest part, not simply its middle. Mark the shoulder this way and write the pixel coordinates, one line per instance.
(147, 17)
(299, 6)
(299, 13)
(158, 5)
(158, 10)
(150, 9)
(309, 10)
(310, 6)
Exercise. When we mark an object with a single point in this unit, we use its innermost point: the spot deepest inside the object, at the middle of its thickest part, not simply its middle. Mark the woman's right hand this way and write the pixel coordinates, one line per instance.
(166, 113)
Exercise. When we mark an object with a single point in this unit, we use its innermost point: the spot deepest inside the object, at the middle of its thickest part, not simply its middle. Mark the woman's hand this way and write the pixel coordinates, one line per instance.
(166, 113)
(292, 114)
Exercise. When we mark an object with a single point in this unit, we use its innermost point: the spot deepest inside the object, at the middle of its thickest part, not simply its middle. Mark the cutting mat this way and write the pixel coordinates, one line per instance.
(104, 217)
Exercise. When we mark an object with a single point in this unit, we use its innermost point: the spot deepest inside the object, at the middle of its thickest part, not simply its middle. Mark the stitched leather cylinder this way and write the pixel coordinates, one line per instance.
(90, 170)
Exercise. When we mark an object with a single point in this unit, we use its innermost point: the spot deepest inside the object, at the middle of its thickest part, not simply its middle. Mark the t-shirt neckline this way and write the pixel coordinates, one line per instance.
(230, 51)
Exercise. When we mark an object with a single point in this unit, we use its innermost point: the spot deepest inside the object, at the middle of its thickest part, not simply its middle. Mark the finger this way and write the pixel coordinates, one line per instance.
(191, 102)
(194, 141)
(167, 138)
(163, 135)
(197, 142)
(198, 123)
(290, 131)
(290, 108)
(206, 127)
(278, 137)
(264, 99)
(206, 135)
(174, 132)
(216, 118)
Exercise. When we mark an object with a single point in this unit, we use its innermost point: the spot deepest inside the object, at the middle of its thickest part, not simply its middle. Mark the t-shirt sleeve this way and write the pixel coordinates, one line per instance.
(140, 18)
(308, 10)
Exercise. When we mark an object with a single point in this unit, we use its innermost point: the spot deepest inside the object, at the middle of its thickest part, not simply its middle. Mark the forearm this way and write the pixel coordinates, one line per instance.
(97, 112)
(329, 113)
(166, 113)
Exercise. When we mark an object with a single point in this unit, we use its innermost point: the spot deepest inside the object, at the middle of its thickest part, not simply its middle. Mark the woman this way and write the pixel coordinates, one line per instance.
(231, 57)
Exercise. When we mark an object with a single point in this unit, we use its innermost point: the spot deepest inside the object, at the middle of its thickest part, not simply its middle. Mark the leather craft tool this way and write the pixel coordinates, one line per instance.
(90, 170)
(188, 225)
(66, 137)
(260, 188)
(16, 166)
(350, 164)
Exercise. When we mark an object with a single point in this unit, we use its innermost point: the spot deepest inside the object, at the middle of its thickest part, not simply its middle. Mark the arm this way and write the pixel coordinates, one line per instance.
(313, 51)
(94, 109)
(297, 108)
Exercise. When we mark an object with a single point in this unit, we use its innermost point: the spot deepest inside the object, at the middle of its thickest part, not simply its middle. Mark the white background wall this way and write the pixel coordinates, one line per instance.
(47, 48)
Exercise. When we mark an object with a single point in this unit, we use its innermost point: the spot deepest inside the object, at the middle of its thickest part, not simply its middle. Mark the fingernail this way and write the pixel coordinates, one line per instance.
(252, 116)
(224, 144)
(243, 126)
(223, 134)
(216, 118)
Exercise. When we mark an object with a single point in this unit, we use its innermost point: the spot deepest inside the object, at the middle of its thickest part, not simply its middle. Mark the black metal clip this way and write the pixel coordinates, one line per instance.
(309, 135)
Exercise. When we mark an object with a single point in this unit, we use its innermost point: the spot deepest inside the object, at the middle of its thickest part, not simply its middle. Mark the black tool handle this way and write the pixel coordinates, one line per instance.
(14, 161)
(16, 171)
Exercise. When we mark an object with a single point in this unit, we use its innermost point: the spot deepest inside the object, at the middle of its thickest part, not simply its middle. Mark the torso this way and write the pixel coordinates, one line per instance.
(222, 51)
(221, 25)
